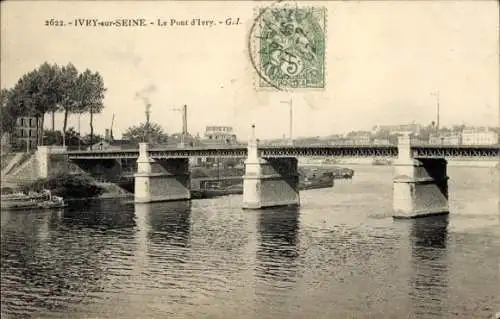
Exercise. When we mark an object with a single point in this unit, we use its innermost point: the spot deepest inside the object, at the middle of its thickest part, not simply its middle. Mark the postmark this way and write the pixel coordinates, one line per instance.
(287, 47)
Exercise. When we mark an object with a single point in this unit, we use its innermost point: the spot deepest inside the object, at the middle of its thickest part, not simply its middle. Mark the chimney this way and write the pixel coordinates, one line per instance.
(184, 121)
(107, 135)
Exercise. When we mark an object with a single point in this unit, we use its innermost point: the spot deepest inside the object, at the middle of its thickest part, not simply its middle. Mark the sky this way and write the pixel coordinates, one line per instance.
(383, 61)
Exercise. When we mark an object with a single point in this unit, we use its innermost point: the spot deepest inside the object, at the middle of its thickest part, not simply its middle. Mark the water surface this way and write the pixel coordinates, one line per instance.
(340, 255)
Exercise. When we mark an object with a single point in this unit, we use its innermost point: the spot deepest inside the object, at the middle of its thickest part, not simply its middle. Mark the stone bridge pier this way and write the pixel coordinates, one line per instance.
(420, 185)
(269, 182)
(49, 159)
(161, 180)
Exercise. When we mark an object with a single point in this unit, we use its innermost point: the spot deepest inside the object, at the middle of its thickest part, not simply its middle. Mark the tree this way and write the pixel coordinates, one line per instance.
(91, 95)
(91, 139)
(51, 88)
(7, 116)
(35, 94)
(72, 138)
(65, 185)
(69, 100)
(48, 79)
(4, 95)
(139, 133)
(22, 99)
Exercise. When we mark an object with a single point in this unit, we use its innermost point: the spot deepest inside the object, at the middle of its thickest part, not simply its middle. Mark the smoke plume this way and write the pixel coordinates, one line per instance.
(145, 93)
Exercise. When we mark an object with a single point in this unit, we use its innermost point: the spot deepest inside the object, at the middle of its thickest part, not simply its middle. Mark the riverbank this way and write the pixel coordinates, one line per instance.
(227, 180)
(111, 190)
(388, 162)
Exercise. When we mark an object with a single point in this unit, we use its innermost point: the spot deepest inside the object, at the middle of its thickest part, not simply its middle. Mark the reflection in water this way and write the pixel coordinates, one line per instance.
(45, 251)
(277, 252)
(429, 233)
(169, 222)
(107, 259)
(163, 231)
(276, 261)
(27, 256)
(428, 283)
(99, 214)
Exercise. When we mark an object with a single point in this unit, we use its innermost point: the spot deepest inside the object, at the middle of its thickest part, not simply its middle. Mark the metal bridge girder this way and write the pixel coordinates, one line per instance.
(418, 151)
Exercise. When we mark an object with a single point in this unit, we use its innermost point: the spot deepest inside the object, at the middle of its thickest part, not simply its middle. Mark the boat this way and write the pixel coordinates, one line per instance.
(309, 179)
(381, 162)
(315, 179)
(34, 200)
(209, 189)
(343, 173)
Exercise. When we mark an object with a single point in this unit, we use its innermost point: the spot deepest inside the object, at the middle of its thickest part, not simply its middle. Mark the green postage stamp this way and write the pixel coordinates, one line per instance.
(290, 47)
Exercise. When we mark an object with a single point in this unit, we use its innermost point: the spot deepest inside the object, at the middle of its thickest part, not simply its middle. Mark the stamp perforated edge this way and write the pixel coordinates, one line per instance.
(255, 58)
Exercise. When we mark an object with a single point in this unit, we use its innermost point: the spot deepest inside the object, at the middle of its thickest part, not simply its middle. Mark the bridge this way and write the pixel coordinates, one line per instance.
(389, 151)
(420, 180)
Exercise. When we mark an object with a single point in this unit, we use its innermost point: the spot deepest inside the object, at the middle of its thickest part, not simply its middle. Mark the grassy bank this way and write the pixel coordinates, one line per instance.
(66, 185)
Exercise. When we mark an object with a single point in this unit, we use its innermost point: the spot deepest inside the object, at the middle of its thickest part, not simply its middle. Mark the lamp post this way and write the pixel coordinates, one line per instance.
(148, 131)
(290, 128)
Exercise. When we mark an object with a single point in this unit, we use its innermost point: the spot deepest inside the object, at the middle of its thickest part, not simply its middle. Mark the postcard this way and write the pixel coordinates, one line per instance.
(250, 159)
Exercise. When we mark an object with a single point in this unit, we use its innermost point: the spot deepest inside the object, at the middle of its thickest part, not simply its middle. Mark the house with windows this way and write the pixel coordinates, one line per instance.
(219, 135)
(479, 136)
(24, 137)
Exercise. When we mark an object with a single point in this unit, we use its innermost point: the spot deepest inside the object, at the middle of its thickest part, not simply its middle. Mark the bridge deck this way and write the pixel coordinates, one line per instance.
(384, 151)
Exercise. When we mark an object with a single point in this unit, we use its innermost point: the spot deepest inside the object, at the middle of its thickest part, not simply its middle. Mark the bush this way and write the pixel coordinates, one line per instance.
(7, 190)
(66, 185)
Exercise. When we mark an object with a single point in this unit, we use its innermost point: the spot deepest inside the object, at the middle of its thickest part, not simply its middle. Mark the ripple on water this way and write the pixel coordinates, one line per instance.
(340, 255)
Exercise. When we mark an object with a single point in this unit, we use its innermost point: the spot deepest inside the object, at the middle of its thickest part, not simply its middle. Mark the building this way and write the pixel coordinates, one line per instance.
(479, 136)
(25, 133)
(359, 138)
(399, 128)
(219, 135)
(445, 139)
(381, 141)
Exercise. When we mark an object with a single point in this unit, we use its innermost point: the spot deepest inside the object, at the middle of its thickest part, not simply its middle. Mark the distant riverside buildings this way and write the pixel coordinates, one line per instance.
(446, 139)
(219, 135)
(468, 136)
(399, 128)
(479, 136)
(381, 141)
(360, 138)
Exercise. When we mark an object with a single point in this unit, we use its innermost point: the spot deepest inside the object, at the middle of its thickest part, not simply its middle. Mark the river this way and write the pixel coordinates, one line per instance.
(340, 255)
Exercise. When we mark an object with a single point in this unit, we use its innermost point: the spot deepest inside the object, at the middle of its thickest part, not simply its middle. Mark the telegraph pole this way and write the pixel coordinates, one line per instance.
(437, 106)
(184, 120)
(436, 95)
(290, 127)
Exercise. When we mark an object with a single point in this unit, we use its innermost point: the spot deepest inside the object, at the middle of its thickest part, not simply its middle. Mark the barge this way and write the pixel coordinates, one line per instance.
(21, 201)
